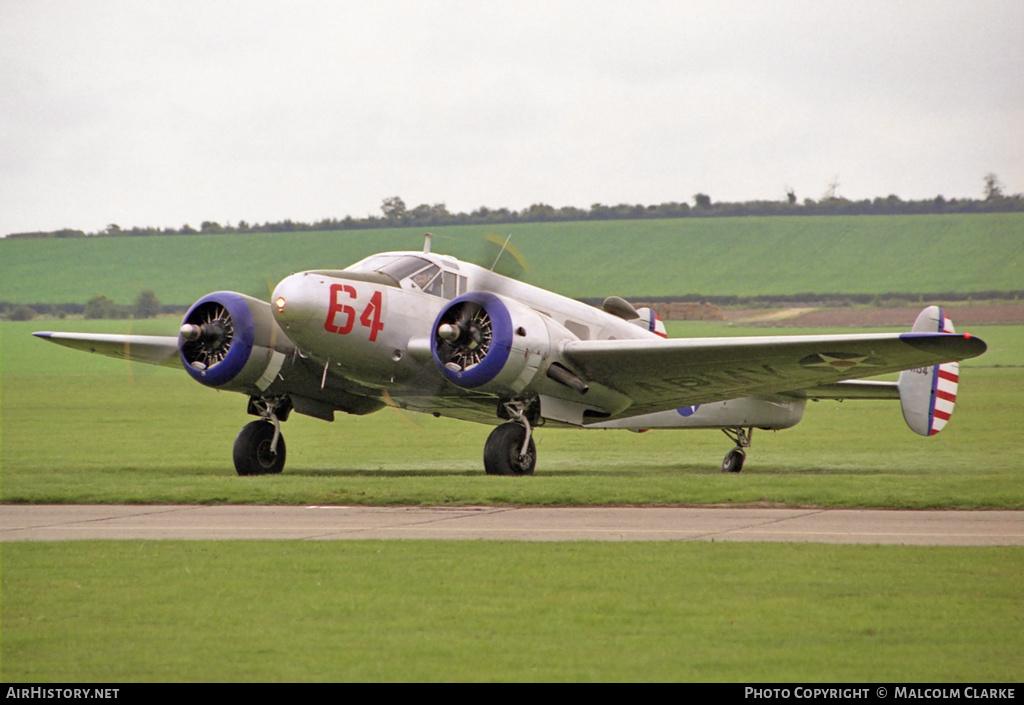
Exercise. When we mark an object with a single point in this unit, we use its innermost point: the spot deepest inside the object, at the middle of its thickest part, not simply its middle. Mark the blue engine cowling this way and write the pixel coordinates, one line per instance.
(490, 343)
(231, 341)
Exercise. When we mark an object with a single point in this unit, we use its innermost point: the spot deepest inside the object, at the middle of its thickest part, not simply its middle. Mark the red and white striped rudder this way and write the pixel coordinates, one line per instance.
(928, 394)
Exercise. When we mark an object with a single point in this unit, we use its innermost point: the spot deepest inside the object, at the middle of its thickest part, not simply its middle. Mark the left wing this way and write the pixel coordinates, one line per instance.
(153, 349)
(670, 374)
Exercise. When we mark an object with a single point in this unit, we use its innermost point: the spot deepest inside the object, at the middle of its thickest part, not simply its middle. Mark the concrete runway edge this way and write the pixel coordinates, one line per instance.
(219, 522)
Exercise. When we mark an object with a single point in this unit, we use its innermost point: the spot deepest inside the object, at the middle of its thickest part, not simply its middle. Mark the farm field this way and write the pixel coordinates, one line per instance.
(645, 258)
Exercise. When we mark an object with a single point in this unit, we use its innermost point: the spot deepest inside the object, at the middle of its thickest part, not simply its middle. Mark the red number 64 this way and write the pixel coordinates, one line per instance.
(370, 317)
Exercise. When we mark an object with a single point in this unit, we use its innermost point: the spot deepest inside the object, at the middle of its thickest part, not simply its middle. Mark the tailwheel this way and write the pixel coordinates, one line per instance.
(259, 449)
(733, 461)
(510, 450)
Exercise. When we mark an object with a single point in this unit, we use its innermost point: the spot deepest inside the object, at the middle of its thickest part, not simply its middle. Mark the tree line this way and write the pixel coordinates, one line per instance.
(146, 305)
(395, 213)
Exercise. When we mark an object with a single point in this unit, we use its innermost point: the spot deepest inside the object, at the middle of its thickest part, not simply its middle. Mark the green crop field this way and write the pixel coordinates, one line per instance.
(694, 256)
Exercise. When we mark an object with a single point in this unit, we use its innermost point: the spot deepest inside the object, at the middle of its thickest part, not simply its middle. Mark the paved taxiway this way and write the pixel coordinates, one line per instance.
(75, 522)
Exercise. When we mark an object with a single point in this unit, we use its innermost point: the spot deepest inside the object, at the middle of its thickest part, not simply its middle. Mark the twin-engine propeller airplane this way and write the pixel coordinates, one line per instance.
(426, 332)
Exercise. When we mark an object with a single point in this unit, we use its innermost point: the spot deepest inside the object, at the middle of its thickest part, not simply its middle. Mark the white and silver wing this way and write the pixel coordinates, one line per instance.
(151, 349)
(669, 374)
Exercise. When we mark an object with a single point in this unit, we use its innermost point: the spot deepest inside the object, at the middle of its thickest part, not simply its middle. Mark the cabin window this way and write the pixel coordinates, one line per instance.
(578, 329)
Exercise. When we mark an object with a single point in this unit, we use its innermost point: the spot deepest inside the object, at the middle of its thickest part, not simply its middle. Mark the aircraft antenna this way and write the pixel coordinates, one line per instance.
(503, 246)
(426, 242)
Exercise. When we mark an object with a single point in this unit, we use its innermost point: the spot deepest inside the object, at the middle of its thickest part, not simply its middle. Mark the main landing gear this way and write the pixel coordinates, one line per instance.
(510, 449)
(259, 448)
(733, 461)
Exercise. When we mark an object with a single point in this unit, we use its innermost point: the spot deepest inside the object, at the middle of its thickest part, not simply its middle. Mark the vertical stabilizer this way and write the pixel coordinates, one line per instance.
(928, 394)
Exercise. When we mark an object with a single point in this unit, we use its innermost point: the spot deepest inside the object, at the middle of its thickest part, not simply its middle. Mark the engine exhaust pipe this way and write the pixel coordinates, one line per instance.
(563, 375)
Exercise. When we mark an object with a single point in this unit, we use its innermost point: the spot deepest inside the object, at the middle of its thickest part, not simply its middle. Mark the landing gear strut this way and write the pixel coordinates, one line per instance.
(733, 461)
(510, 449)
(259, 448)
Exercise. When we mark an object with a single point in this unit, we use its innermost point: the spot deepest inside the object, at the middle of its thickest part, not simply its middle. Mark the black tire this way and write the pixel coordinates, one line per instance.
(501, 452)
(733, 461)
(252, 450)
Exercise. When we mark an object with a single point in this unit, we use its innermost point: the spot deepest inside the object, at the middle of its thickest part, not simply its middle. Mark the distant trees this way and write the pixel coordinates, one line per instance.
(436, 214)
(393, 208)
(146, 305)
(993, 189)
(21, 313)
(101, 306)
(395, 213)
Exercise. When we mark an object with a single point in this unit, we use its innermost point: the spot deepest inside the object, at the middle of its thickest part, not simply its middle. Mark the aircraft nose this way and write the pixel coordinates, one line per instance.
(294, 300)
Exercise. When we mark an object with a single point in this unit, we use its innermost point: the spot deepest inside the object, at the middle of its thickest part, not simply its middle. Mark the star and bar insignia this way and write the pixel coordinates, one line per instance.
(839, 361)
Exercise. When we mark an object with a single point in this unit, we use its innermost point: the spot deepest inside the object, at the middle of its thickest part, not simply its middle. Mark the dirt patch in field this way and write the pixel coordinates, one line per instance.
(964, 315)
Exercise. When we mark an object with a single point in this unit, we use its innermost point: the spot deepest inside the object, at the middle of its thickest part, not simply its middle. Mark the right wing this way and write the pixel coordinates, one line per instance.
(152, 349)
(671, 374)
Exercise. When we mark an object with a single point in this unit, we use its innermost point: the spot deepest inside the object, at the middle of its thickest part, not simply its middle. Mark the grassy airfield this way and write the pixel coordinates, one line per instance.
(81, 428)
(121, 611)
(85, 428)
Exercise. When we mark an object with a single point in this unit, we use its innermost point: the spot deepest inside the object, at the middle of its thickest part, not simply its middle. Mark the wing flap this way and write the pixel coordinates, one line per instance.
(674, 373)
(850, 389)
(151, 349)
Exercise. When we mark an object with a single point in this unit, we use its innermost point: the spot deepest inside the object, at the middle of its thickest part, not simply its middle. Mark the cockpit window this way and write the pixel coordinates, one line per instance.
(414, 273)
(402, 267)
(372, 263)
(428, 279)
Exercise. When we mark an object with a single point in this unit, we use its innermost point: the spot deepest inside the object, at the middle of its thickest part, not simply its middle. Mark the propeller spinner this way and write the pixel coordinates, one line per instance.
(208, 334)
(464, 336)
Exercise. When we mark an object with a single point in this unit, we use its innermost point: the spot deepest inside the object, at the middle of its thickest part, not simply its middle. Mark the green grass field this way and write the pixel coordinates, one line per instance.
(79, 427)
(341, 611)
(83, 428)
(702, 256)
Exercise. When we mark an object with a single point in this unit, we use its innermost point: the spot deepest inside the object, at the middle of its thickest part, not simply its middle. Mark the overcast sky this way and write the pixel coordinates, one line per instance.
(147, 113)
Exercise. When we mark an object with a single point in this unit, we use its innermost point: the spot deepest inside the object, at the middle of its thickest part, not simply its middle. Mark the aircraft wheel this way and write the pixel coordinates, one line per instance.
(252, 452)
(733, 461)
(501, 452)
